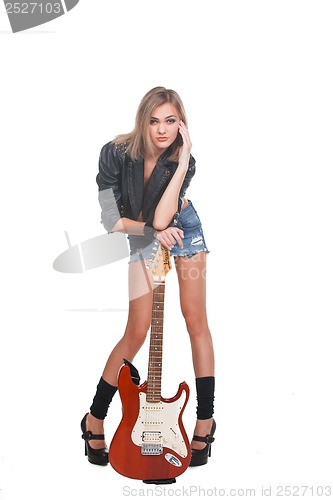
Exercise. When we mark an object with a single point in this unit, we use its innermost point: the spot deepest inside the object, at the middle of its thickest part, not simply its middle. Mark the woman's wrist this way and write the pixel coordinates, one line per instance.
(183, 164)
(149, 231)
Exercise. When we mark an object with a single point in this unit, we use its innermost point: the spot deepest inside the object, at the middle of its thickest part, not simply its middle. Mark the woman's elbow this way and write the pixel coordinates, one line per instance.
(160, 224)
(118, 226)
(112, 225)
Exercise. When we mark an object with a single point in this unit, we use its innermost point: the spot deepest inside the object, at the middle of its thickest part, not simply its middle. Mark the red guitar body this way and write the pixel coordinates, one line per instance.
(150, 442)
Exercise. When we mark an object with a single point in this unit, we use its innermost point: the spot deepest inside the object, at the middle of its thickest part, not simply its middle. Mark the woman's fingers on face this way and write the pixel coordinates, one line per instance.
(183, 128)
(183, 133)
(185, 136)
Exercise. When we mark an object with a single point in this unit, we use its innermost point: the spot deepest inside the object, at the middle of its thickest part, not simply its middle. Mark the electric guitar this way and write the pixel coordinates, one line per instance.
(150, 442)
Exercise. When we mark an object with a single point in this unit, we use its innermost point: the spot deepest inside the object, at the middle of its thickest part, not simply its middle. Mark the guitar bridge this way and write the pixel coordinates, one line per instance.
(151, 443)
(151, 449)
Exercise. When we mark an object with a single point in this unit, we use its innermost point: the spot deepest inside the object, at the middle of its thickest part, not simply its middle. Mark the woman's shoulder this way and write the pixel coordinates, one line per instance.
(192, 161)
(115, 148)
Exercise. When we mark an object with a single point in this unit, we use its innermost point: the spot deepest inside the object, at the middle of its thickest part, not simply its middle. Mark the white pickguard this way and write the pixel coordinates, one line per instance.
(158, 422)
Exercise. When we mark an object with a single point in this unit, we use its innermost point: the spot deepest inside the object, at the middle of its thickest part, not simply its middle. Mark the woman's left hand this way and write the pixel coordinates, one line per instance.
(170, 236)
(185, 149)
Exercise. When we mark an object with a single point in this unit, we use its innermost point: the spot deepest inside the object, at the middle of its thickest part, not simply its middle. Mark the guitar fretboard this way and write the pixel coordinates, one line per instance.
(156, 345)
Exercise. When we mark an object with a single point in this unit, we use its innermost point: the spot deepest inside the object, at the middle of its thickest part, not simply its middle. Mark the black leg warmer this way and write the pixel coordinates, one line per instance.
(205, 397)
(102, 399)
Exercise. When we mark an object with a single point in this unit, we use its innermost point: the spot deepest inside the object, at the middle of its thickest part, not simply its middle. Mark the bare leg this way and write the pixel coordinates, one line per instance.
(138, 323)
(192, 286)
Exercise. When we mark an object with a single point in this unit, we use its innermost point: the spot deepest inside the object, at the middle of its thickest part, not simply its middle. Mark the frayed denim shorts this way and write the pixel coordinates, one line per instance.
(193, 241)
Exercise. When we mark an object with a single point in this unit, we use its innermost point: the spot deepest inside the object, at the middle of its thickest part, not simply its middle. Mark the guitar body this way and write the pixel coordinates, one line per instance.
(150, 442)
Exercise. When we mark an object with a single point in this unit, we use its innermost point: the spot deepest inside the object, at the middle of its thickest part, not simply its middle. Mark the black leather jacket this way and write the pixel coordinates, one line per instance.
(121, 185)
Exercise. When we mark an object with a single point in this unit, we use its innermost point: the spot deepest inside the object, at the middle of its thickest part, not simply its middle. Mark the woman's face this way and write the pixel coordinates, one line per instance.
(163, 126)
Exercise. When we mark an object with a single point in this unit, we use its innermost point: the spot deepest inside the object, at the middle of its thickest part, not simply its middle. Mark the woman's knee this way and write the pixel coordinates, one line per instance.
(196, 323)
(136, 334)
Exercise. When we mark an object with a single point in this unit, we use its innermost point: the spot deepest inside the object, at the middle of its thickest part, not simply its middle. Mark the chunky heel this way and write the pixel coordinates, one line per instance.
(97, 457)
(200, 457)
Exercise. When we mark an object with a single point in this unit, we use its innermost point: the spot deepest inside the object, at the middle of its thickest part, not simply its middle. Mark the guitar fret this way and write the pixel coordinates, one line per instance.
(160, 267)
(156, 345)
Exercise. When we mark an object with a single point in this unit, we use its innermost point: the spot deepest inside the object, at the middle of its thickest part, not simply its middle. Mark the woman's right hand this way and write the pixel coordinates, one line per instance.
(170, 236)
(185, 149)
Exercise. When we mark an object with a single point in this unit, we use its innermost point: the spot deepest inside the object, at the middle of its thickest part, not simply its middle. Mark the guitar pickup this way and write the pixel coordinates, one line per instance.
(151, 437)
(151, 443)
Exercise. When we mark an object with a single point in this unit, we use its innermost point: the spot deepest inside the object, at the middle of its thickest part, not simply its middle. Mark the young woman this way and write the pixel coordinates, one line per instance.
(142, 180)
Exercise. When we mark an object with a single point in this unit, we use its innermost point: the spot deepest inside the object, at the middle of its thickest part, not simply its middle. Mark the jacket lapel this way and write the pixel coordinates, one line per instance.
(135, 186)
(159, 176)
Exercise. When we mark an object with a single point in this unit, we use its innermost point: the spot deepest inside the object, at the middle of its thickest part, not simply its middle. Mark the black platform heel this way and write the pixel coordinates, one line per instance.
(200, 457)
(97, 457)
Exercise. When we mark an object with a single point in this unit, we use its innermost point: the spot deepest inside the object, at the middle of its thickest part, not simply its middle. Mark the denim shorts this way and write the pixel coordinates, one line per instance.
(193, 241)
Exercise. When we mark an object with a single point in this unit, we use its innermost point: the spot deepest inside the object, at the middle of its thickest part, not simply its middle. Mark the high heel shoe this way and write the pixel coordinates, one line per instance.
(99, 456)
(200, 457)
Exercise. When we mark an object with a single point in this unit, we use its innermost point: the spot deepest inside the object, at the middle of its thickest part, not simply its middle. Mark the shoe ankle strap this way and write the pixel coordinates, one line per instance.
(207, 439)
(89, 435)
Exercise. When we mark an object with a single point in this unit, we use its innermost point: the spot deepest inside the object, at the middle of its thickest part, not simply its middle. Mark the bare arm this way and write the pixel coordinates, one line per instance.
(129, 226)
(168, 204)
(168, 237)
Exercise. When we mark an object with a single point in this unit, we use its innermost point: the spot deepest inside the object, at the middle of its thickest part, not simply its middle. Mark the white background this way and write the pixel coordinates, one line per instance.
(256, 79)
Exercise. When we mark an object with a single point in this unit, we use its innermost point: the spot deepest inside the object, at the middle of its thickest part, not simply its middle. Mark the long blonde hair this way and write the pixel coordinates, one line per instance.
(138, 142)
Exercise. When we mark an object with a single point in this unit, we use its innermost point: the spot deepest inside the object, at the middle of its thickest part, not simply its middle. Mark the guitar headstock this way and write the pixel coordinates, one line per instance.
(160, 265)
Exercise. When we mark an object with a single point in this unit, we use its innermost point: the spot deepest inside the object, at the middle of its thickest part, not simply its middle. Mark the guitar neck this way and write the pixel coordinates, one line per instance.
(156, 345)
